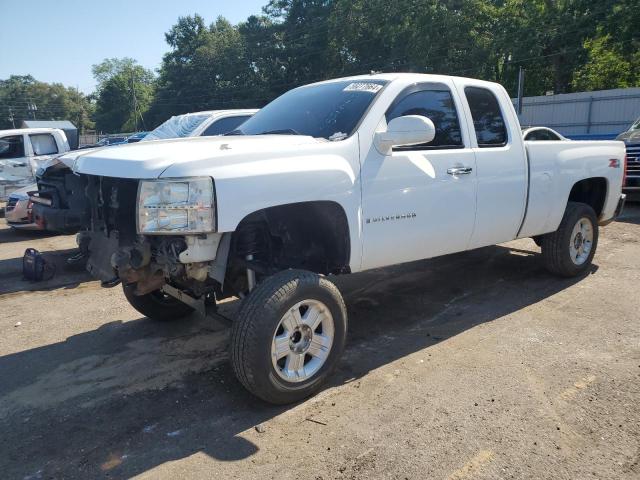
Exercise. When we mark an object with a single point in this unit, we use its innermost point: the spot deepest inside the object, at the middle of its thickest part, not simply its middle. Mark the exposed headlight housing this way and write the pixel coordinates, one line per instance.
(167, 207)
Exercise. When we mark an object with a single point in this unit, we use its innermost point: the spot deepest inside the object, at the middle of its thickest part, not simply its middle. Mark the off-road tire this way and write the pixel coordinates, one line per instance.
(256, 323)
(156, 305)
(556, 246)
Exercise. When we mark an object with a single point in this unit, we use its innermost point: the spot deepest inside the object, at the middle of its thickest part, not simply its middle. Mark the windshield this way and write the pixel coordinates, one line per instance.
(635, 126)
(176, 127)
(328, 110)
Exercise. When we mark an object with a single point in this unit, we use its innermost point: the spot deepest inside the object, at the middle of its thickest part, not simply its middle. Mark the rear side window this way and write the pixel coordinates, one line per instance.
(43, 144)
(437, 105)
(542, 135)
(11, 147)
(224, 125)
(491, 130)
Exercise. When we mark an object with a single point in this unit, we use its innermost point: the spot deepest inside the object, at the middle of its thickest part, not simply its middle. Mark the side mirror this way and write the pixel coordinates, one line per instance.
(404, 131)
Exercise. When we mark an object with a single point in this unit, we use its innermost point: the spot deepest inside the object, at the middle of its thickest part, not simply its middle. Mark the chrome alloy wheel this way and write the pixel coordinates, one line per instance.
(302, 341)
(581, 241)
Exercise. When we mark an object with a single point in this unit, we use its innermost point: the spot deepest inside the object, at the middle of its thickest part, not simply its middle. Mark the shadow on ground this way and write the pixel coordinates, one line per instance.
(10, 235)
(11, 279)
(631, 213)
(127, 397)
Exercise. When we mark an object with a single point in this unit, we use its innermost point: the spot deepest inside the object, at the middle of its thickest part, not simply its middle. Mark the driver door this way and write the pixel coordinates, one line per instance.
(419, 201)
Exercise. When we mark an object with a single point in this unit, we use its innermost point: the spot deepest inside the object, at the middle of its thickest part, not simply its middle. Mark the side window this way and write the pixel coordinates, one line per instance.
(535, 135)
(12, 147)
(491, 130)
(224, 125)
(542, 135)
(551, 136)
(43, 144)
(436, 104)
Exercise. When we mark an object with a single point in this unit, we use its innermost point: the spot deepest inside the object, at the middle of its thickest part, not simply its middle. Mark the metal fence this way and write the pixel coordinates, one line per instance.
(583, 113)
(91, 137)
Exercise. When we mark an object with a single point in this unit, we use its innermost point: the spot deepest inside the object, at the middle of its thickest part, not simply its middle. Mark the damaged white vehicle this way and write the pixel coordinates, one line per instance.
(331, 178)
(23, 151)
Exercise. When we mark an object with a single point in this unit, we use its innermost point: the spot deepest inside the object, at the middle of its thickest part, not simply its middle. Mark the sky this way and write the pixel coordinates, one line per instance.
(59, 40)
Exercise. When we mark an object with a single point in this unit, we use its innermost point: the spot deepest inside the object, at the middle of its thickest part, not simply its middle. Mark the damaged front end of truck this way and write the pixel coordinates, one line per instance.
(152, 236)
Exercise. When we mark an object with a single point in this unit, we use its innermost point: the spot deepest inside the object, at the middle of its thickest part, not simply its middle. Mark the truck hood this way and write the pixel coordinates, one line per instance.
(68, 159)
(151, 159)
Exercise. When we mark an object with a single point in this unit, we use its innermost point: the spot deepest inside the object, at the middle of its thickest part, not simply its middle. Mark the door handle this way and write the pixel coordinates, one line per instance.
(459, 170)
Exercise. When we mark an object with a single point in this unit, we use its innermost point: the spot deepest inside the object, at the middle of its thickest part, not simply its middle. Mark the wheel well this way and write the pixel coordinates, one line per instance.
(592, 191)
(312, 236)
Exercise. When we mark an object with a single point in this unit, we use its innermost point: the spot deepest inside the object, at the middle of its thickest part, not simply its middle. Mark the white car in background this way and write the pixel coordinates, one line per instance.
(542, 134)
(18, 211)
(200, 124)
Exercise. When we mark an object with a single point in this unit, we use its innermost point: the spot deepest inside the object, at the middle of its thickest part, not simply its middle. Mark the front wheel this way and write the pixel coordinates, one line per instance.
(288, 336)
(157, 305)
(569, 250)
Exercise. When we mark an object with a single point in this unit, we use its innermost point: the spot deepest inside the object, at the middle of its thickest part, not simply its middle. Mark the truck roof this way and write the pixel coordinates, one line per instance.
(408, 77)
(62, 124)
(19, 131)
(236, 111)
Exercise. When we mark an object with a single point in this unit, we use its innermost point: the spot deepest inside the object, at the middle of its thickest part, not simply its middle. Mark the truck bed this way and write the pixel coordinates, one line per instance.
(554, 167)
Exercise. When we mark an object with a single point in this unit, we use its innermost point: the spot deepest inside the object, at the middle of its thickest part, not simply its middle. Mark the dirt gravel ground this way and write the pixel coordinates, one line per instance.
(477, 365)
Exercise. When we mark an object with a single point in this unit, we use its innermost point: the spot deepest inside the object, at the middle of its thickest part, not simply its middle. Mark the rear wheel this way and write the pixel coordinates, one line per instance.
(288, 336)
(569, 250)
(157, 305)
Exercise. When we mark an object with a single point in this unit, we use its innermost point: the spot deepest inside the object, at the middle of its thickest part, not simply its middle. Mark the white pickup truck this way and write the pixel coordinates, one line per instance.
(331, 178)
(22, 151)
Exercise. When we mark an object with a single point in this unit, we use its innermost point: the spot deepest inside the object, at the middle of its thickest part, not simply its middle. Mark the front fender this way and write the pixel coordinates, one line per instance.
(324, 172)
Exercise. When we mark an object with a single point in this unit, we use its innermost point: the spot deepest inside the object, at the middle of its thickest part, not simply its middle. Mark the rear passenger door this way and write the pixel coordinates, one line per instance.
(419, 201)
(500, 165)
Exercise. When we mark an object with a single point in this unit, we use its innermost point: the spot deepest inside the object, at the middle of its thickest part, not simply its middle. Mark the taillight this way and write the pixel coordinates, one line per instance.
(624, 173)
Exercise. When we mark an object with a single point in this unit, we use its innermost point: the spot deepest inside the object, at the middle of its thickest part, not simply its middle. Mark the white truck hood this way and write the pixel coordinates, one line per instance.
(68, 159)
(151, 159)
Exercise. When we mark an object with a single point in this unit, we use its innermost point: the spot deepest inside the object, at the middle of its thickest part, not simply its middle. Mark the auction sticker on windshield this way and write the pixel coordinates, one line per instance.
(362, 87)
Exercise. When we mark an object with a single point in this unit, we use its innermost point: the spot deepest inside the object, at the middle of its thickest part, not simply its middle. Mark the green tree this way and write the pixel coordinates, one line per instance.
(53, 102)
(546, 37)
(206, 68)
(178, 87)
(301, 30)
(427, 37)
(264, 58)
(123, 95)
(300, 41)
(606, 67)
